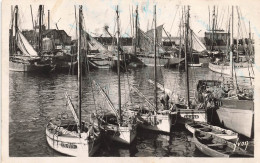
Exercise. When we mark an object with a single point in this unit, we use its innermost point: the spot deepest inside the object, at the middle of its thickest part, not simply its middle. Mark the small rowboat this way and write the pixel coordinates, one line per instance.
(215, 146)
(214, 130)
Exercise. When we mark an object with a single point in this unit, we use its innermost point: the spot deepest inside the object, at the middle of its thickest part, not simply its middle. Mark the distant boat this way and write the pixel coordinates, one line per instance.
(74, 139)
(23, 57)
(214, 146)
(177, 58)
(214, 130)
(224, 63)
(245, 70)
(101, 60)
(144, 42)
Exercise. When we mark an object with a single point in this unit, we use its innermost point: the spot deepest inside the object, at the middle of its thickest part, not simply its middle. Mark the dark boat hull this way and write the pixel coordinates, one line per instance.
(27, 67)
(149, 61)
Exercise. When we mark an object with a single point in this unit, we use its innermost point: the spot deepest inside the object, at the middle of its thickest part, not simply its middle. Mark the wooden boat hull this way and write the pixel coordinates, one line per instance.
(238, 120)
(101, 63)
(26, 67)
(72, 146)
(174, 62)
(215, 146)
(160, 123)
(214, 130)
(240, 70)
(208, 151)
(149, 61)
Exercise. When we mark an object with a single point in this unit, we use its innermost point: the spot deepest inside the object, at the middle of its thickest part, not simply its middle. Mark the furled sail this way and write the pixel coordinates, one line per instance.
(159, 29)
(145, 40)
(197, 44)
(24, 45)
(96, 45)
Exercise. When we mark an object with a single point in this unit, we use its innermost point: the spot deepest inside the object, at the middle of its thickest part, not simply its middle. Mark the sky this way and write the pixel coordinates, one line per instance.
(99, 13)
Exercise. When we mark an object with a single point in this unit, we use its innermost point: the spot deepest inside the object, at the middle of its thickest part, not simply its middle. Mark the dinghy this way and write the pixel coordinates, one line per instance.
(215, 146)
(215, 130)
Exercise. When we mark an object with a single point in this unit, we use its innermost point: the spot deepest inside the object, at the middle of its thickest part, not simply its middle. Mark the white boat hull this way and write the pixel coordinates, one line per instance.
(72, 145)
(240, 70)
(190, 114)
(125, 135)
(195, 65)
(237, 120)
(160, 123)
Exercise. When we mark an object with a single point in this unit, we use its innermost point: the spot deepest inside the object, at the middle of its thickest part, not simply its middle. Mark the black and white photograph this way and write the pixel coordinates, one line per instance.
(112, 78)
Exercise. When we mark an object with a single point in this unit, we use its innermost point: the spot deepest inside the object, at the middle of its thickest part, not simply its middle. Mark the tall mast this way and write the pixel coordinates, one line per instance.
(237, 33)
(118, 66)
(180, 45)
(231, 43)
(250, 41)
(32, 16)
(186, 55)
(16, 26)
(48, 19)
(249, 32)
(11, 32)
(136, 27)
(213, 28)
(209, 18)
(40, 28)
(155, 67)
(228, 38)
(79, 68)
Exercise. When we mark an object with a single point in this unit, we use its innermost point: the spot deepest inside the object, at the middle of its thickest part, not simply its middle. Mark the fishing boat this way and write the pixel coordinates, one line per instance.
(245, 70)
(101, 57)
(23, 57)
(244, 66)
(235, 114)
(153, 118)
(144, 46)
(214, 130)
(215, 146)
(100, 61)
(185, 110)
(197, 48)
(120, 125)
(178, 52)
(74, 139)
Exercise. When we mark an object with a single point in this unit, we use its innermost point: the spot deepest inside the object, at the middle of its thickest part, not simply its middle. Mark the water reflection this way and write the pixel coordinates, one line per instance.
(36, 98)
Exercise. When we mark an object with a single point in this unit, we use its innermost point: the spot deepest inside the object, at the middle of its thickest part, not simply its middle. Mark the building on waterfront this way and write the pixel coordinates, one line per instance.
(216, 40)
(59, 38)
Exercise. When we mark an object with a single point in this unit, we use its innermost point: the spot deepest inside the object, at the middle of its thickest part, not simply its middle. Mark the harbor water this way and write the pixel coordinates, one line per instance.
(34, 99)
